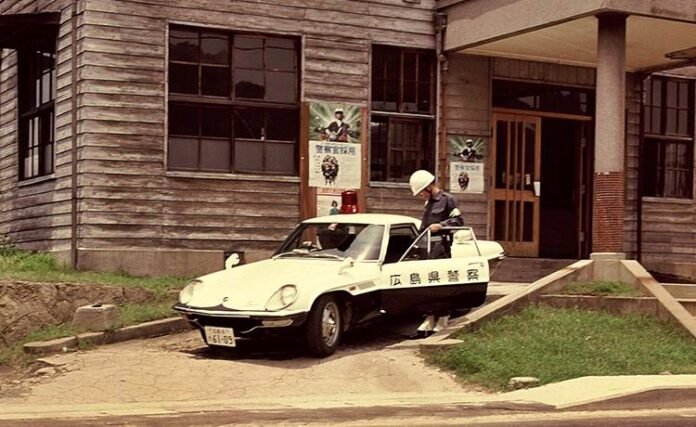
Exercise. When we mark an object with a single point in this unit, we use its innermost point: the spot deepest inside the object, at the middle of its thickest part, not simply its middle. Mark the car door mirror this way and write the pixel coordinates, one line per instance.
(232, 261)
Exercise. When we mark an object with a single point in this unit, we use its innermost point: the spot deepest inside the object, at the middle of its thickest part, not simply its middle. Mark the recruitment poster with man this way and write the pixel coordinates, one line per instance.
(466, 154)
(334, 147)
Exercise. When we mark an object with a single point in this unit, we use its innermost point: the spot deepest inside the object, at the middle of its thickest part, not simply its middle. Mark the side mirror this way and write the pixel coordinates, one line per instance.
(345, 265)
(232, 261)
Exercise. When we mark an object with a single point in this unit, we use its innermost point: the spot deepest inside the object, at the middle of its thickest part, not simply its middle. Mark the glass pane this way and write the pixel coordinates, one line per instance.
(183, 45)
(378, 148)
(378, 64)
(657, 93)
(409, 70)
(248, 123)
(671, 93)
(47, 159)
(46, 87)
(215, 81)
(683, 95)
(280, 87)
(249, 84)
(424, 98)
(183, 153)
(378, 88)
(671, 121)
(280, 43)
(183, 78)
(528, 222)
(215, 155)
(283, 125)
(392, 95)
(280, 158)
(393, 61)
(248, 52)
(183, 120)
(280, 59)
(424, 68)
(500, 221)
(409, 97)
(215, 49)
(248, 156)
(530, 134)
(215, 122)
(656, 120)
(501, 154)
(683, 128)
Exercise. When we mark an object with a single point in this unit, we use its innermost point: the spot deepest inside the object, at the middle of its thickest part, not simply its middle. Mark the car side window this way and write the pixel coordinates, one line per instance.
(400, 238)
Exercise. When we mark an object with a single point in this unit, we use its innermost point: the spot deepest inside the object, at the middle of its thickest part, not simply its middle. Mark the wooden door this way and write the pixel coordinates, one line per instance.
(516, 164)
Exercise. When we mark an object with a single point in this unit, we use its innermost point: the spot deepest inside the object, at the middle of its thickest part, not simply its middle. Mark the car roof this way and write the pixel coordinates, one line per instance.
(364, 218)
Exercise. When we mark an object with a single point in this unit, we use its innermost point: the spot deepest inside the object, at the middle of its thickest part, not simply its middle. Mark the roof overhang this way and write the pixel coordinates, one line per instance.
(565, 31)
(29, 30)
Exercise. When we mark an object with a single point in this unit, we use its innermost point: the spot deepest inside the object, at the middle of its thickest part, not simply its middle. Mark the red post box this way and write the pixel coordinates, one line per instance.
(349, 202)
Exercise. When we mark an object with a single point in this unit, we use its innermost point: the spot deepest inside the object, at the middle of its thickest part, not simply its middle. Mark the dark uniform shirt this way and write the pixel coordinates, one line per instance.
(441, 209)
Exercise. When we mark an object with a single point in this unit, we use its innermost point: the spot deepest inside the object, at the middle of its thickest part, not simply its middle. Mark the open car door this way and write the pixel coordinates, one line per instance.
(419, 283)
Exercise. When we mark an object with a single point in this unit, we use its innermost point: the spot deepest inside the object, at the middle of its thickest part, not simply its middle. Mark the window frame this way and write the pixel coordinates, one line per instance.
(401, 115)
(32, 138)
(234, 104)
(657, 139)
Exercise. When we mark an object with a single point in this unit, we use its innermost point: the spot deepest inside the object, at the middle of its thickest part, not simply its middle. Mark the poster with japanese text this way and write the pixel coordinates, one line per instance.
(335, 157)
(466, 177)
(334, 165)
(466, 154)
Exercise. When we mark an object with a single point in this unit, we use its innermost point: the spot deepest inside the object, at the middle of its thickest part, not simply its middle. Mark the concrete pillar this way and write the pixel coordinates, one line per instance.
(610, 138)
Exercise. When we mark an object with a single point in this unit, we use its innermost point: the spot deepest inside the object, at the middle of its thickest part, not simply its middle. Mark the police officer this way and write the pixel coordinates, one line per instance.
(440, 211)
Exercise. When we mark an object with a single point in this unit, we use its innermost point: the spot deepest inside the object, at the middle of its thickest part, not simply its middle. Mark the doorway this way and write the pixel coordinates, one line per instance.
(563, 198)
(539, 195)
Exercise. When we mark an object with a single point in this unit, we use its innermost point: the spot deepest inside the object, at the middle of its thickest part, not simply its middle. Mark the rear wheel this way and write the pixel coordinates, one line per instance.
(324, 326)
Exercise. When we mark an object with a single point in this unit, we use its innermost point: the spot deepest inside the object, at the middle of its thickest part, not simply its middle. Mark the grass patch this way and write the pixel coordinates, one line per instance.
(129, 314)
(560, 344)
(17, 264)
(601, 288)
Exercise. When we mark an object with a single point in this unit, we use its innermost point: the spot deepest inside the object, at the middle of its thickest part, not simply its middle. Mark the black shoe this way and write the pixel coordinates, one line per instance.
(419, 335)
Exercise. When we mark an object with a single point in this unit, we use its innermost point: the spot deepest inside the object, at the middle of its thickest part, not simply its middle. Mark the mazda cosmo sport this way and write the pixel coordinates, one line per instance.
(334, 273)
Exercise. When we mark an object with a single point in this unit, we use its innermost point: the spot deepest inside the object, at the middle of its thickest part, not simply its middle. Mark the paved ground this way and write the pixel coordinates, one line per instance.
(181, 367)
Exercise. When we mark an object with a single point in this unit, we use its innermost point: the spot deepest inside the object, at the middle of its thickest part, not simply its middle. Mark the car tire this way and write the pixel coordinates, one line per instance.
(324, 326)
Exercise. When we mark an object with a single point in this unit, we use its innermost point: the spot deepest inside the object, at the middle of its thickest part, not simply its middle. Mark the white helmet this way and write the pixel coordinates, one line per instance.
(420, 179)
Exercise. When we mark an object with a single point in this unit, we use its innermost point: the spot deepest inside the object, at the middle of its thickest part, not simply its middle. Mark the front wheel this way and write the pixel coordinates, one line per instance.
(324, 326)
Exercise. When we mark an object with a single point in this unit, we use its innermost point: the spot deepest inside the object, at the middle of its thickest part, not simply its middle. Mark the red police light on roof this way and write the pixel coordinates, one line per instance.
(349, 202)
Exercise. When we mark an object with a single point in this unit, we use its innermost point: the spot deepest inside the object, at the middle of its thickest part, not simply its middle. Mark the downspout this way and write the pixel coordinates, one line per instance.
(73, 150)
(440, 21)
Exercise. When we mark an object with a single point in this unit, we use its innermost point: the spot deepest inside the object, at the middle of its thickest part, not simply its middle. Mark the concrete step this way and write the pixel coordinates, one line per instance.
(527, 270)
(681, 290)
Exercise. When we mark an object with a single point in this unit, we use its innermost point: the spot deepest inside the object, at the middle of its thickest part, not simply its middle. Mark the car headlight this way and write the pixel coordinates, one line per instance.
(186, 294)
(282, 298)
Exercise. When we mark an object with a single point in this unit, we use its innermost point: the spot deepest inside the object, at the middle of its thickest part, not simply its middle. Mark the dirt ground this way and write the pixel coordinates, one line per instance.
(181, 367)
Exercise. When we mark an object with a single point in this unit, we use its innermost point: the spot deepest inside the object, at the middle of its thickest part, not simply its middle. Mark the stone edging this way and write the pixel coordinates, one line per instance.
(143, 330)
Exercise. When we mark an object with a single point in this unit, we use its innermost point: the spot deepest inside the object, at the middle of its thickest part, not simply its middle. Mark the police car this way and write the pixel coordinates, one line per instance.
(334, 273)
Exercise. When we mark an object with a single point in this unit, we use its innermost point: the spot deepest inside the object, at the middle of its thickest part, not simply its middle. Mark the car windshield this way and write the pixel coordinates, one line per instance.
(361, 242)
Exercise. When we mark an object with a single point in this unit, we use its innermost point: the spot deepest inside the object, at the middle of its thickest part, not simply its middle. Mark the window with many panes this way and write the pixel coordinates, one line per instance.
(668, 143)
(233, 102)
(402, 127)
(36, 92)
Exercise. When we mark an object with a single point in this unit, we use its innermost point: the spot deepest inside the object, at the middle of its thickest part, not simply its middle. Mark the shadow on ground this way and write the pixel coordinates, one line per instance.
(375, 336)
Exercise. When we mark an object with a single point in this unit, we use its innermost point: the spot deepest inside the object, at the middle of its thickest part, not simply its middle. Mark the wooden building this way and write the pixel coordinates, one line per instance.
(155, 136)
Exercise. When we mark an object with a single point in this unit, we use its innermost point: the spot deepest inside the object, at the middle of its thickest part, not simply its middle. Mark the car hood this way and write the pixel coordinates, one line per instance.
(250, 286)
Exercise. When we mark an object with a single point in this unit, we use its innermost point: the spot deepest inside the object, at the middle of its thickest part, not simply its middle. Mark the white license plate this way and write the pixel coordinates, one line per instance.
(220, 336)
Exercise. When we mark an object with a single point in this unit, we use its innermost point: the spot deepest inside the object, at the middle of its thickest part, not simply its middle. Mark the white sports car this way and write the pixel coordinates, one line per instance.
(336, 272)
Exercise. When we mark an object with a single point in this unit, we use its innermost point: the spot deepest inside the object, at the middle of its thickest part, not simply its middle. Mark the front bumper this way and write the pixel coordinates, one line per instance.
(245, 323)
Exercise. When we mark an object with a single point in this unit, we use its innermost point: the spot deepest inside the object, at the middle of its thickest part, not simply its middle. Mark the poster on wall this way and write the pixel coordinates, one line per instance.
(335, 157)
(328, 204)
(466, 154)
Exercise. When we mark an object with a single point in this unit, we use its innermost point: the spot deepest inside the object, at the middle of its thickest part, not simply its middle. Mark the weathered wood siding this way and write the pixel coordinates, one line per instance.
(633, 107)
(36, 216)
(128, 199)
(468, 112)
